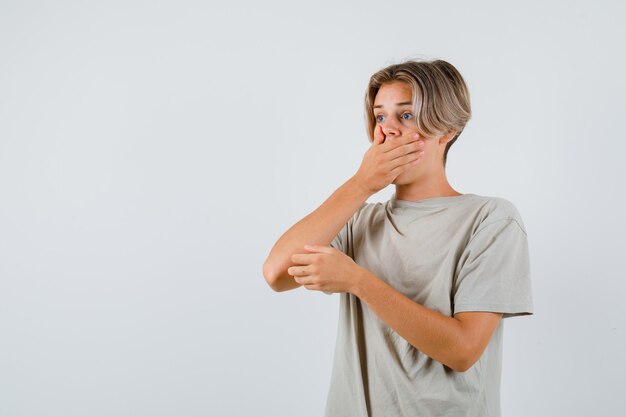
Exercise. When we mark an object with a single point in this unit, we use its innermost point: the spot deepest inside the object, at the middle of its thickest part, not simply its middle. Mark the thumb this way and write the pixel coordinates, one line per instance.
(379, 135)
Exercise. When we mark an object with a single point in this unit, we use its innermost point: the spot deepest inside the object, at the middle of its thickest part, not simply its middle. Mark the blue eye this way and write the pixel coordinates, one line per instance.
(379, 117)
(407, 114)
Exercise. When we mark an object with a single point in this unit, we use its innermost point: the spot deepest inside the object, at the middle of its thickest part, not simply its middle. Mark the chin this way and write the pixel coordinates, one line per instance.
(402, 181)
(406, 178)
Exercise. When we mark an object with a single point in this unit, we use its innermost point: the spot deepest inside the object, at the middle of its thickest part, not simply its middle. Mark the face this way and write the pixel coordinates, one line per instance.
(393, 110)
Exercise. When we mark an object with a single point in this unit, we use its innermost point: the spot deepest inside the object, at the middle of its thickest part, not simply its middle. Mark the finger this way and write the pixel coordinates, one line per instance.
(297, 271)
(312, 287)
(400, 141)
(318, 248)
(302, 258)
(379, 135)
(405, 162)
(410, 137)
(407, 158)
(406, 149)
(306, 281)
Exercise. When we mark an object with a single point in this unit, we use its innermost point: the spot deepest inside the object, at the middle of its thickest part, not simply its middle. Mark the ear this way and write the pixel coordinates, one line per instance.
(447, 137)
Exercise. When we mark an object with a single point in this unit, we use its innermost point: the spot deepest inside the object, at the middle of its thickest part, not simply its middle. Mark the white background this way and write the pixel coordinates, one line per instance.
(151, 153)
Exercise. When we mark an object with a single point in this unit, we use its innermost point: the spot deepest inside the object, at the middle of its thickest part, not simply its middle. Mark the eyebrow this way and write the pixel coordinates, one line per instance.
(397, 104)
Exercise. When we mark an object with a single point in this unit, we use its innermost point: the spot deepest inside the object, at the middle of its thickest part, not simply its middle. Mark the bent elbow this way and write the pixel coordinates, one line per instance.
(464, 365)
(465, 360)
(279, 282)
(269, 275)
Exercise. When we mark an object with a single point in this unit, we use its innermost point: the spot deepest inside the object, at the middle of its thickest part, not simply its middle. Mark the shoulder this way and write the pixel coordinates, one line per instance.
(367, 216)
(491, 210)
(367, 210)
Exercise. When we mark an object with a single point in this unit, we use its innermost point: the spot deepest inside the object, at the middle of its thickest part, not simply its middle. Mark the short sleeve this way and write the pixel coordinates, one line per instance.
(494, 271)
(340, 242)
(343, 240)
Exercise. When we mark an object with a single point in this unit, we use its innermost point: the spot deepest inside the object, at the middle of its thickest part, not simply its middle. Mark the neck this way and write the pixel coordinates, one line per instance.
(432, 185)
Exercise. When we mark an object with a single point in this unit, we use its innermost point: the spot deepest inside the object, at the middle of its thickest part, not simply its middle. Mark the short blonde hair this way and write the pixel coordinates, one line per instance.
(441, 101)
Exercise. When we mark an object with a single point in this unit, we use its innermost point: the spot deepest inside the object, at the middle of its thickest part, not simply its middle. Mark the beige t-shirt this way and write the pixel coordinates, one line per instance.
(450, 254)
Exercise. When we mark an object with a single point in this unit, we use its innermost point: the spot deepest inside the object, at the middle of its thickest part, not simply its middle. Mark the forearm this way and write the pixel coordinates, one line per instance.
(317, 228)
(439, 336)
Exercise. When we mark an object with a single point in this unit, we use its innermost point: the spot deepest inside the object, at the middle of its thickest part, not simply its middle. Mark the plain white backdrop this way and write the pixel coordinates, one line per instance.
(152, 152)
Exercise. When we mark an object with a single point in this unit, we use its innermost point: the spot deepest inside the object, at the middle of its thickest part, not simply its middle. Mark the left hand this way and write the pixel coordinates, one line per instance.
(325, 268)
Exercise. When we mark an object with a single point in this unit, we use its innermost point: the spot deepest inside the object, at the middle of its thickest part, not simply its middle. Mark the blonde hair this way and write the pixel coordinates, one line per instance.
(441, 101)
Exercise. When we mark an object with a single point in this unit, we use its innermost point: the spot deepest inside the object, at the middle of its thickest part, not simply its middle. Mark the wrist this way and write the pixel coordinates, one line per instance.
(359, 188)
(362, 280)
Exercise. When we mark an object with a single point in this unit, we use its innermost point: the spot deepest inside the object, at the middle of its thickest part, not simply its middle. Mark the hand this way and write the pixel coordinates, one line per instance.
(325, 268)
(386, 159)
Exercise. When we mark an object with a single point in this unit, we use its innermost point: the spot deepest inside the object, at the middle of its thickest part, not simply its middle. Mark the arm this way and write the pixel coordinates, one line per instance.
(457, 341)
(320, 227)
(381, 164)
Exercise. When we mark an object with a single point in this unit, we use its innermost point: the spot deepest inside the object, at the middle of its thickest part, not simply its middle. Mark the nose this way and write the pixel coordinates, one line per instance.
(391, 127)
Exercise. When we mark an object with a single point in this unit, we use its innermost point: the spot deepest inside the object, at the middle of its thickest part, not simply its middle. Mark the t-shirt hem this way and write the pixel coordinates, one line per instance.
(506, 309)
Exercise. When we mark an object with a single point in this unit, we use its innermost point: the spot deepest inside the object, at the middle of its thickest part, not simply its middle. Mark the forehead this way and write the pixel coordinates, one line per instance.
(394, 92)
